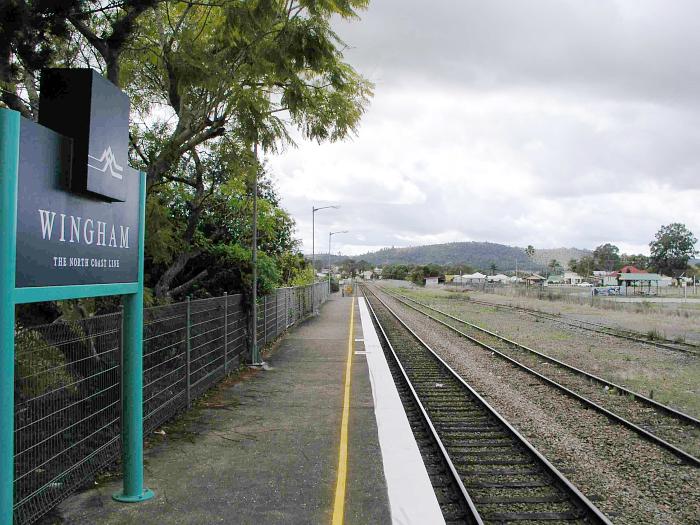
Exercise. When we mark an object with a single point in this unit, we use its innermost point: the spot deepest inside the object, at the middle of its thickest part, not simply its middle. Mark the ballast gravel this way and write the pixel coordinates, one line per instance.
(630, 480)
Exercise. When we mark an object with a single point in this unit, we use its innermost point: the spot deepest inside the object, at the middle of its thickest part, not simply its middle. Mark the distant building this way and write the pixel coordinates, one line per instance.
(640, 282)
(630, 269)
(431, 282)
(554, 279)
(535, 280)
(572, 278)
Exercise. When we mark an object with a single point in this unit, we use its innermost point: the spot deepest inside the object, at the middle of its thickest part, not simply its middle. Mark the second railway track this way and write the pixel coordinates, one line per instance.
(665, 426)
(503, 478)
(621, 333)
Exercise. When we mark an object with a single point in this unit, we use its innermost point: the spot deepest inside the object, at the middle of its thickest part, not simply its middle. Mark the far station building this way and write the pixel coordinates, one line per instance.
(640, 283)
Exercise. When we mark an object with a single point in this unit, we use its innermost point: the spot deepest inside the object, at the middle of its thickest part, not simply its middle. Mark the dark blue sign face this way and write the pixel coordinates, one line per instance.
(82, 105)
(68, 238)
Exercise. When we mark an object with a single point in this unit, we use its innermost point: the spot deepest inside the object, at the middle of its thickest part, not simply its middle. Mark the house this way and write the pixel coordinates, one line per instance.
(534, 279)
(630, 269)
(554, 280)
(431, 282)
(572, 278)
(498, 278)
(640, 282)
(366, 275)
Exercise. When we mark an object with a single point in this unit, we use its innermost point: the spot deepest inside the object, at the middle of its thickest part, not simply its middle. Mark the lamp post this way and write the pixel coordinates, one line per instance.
(331, 234)
(313, 231)
(313, 245)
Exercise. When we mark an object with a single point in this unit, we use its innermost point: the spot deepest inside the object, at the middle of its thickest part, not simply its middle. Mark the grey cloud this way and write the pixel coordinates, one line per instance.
(595, 139)
(623, 49)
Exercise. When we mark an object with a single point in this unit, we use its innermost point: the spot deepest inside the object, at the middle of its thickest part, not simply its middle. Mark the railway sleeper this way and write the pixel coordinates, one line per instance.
(460, 461)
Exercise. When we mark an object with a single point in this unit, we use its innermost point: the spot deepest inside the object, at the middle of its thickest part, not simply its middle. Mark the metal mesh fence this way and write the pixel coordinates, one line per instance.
(68, 382)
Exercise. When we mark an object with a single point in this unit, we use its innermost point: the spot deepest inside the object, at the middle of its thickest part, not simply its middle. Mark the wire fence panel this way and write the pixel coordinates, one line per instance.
(164, 367)
(68, 382)
(67, 408)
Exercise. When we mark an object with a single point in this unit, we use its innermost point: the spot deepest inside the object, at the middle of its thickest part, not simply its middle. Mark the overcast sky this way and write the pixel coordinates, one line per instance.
(544, 122)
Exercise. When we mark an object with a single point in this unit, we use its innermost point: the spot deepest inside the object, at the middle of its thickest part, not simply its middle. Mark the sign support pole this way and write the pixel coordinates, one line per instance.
(9, 159)
(132, 379)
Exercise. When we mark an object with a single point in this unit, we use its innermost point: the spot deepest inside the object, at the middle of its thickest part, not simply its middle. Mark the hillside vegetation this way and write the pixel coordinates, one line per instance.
(480, 255)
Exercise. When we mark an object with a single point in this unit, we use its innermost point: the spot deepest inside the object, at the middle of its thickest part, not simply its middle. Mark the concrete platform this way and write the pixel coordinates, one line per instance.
(266, 449)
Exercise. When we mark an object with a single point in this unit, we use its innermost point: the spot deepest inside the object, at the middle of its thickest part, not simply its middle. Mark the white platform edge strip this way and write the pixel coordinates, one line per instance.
(412, 499)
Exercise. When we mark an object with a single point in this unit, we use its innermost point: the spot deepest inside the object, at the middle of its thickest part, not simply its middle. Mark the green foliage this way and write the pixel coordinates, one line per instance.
(606, 257)
(672, 247)
(638, 261)
(583, 266)
(210, 83)
(554, 265)
(39, 366)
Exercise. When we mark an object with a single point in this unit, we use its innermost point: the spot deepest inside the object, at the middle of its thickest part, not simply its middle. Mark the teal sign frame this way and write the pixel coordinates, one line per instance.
(10, 296)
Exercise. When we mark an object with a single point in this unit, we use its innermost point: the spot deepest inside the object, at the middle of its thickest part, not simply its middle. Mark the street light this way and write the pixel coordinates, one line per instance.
(313, 249)
(313, 233)
(331, 234)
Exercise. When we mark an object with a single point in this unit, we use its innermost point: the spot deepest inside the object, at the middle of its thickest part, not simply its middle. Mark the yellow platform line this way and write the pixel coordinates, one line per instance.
(339, 504)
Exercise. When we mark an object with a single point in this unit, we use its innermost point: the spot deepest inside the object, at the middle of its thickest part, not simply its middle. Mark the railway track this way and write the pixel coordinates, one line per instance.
(667, 344)
(500, 476)
(675, 431)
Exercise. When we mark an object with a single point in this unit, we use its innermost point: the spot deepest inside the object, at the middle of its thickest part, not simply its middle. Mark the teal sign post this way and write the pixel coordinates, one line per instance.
(72, 216)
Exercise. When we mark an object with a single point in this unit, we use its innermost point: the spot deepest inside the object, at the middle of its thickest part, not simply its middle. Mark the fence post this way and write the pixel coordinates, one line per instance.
(225, 333)
(265, 320)
(189, 345)
(277, 312)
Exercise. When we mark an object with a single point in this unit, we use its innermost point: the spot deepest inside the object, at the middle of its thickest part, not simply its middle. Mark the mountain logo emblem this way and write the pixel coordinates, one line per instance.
(106, 162)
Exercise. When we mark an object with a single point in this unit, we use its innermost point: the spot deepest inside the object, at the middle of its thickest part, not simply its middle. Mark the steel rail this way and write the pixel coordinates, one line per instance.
(456, 479)
(670, 410)
(606, 330)
(685, 456)
(581, 500)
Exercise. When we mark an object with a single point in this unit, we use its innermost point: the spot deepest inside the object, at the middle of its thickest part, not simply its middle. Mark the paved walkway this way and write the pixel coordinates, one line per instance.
(266, 449)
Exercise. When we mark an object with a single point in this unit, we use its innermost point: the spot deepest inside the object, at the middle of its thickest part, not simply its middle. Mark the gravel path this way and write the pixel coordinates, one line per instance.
(630, 480)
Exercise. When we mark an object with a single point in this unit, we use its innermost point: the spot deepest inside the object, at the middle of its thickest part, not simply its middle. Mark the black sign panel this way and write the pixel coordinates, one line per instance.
(64, 238)
(82, 105)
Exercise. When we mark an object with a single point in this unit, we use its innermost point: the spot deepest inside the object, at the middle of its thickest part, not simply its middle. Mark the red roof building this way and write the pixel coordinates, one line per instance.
(630, 269)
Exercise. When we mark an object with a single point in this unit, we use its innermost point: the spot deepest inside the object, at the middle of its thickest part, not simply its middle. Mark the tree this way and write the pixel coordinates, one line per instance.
(210, 83)
(553, 265)
(584, 266)
(638, 261)
(606, 257)
(530, 251)
(493, 268)
(672, 247)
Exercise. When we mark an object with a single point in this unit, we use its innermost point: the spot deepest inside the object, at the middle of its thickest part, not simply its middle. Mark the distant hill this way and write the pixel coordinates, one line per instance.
(563, 255)
(480, 255)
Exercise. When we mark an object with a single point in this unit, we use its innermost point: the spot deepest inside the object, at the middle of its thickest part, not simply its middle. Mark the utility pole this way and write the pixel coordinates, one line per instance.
(313, 245)
(254, 352)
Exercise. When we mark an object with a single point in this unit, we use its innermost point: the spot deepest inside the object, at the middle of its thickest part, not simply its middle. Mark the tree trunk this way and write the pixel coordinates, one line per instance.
(162, 288)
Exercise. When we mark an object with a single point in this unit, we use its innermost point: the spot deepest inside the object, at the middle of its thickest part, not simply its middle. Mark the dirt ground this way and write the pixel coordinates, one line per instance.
(669, 377)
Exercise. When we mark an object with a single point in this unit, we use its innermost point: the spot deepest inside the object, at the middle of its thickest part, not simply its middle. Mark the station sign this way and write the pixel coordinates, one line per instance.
(77, 198)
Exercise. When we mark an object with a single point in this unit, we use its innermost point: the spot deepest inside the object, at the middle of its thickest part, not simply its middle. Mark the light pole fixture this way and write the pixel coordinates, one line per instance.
(313, 250)
(331, 234)
(313, 233)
